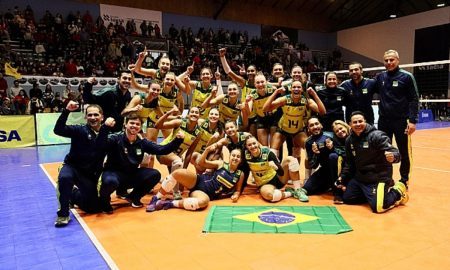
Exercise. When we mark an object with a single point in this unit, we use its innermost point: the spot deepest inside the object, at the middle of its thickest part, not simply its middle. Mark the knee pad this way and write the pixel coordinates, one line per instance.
(294, 166)
(169, 183)
(190, 204)
(277, 195)
(176, 164)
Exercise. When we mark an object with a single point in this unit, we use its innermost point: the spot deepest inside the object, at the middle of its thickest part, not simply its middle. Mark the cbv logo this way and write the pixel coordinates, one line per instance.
(13, 135)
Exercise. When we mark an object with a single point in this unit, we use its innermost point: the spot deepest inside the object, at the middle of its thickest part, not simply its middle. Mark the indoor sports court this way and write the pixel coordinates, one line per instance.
(104, 38)
(414, 236)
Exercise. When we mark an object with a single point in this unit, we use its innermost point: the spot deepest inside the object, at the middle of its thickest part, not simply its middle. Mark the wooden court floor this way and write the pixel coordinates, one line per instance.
(414, 236)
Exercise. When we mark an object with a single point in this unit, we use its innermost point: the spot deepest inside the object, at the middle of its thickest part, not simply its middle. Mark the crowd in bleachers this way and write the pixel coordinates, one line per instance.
(77, 45)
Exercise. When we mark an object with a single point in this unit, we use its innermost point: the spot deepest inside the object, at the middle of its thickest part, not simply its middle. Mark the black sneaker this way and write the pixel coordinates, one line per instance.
(135, 203)
(62, 221)
(106, 207)
(122, 194)
(338, 199)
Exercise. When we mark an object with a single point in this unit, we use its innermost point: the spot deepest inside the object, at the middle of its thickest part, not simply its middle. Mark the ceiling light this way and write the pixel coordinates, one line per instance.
(393, 16)
(440, 5)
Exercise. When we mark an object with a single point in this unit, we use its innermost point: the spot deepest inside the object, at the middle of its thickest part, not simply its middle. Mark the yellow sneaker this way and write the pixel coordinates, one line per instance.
(404, 197)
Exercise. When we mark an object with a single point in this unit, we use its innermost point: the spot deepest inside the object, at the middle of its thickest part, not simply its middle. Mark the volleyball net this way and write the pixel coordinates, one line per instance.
(433, 83)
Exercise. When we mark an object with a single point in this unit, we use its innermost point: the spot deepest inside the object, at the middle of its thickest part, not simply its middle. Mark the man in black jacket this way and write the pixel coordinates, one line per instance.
(84, 162)
(125, 152)
(368, 168)
(113, 99)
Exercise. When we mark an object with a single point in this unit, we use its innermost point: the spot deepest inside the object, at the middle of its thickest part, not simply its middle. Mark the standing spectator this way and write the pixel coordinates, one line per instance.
(150, 29)
(173, 32)
(399, 108)
(157, 31)
(83, 164)
(70, 68)
(360, 91)
(48, 96)
(144, 28)
(368, 168)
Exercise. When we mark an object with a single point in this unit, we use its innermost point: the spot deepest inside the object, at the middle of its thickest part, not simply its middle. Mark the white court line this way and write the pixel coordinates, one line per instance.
(429, 169)
(103, 252)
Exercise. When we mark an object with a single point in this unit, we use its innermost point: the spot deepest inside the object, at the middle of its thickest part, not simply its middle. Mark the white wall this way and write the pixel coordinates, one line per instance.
(374, 39)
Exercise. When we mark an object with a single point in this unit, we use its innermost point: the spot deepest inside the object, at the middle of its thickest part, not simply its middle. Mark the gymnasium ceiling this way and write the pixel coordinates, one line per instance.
(312, 15)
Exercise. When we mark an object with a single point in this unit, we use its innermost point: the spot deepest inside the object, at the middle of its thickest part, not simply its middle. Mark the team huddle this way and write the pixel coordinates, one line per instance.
(236, 137)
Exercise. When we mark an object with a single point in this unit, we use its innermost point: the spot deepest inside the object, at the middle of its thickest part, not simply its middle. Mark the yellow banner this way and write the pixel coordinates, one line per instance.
(10, 71)
(17, 131)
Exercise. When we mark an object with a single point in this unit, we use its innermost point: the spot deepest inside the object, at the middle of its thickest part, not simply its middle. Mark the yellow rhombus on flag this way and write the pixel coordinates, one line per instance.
(9, 70)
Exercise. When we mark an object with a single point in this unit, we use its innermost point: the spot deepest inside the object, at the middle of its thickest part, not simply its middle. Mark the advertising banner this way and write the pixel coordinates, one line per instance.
(113, 14)
(17, 131)
(45, 122)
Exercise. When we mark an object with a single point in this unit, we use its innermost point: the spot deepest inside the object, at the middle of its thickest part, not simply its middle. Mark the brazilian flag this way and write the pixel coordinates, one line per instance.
(279, 219)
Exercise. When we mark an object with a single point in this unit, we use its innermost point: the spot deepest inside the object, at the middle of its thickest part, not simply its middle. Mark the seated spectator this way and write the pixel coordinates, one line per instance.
(14, 90)
(35, 105)
(7, 108)
(57, 103)
(3, 86)
(21, 102)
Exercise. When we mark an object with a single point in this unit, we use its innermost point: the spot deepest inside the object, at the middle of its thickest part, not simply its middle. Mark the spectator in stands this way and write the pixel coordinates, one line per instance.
(87, 19)
(15, 89)
(3, 86)
(360, 91)
(48, 96)
(35, 91)
(173, 32)
(157, 31)
(57, 104)
(21, 102)
(70, 68)
(144, 28)
(35, 105)
(441, 113)
(398, 108)
(7, 108)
